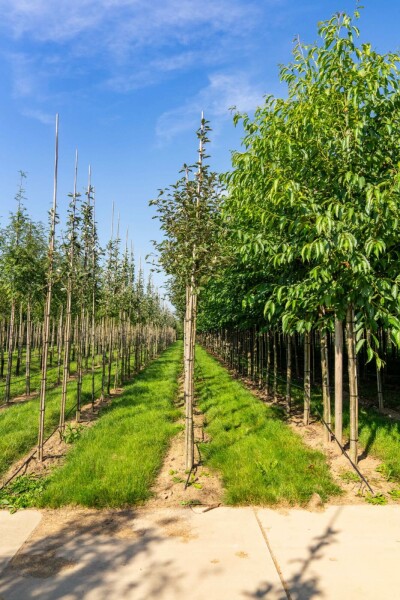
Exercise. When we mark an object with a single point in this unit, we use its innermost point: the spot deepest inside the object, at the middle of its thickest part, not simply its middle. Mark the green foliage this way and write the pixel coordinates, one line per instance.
(376, 499)
(313, 202)
(22, 492)
(349, 477)
(395, 494)
(194, 502)
(72, 433)
(189, 215)
(386, 471)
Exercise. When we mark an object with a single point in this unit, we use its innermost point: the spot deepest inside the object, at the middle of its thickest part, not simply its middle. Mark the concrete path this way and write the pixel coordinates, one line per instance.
(347, 552)
(14, 530)
(224, 554)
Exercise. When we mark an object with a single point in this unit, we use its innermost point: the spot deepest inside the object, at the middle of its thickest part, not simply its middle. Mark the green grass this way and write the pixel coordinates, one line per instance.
(115, 462)
(19, 422)
(259, 457)
(18, 382)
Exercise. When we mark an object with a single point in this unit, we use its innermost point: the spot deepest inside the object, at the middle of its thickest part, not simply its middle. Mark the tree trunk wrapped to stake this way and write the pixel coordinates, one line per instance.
(46, 324)
(307, 379)
(353, 384)
(326, 396)
(339, 380)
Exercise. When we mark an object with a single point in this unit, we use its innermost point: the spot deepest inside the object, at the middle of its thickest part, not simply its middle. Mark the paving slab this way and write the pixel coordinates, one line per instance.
(349, 552)
(170, 554)
(14, 530)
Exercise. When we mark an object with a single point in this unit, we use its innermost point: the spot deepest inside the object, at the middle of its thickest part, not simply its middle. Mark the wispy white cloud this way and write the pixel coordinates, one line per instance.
(39, 115)
(133, 43)
(222, 93)
(127, 23)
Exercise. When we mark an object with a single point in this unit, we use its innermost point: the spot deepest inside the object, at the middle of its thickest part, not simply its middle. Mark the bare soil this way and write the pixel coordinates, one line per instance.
(174, 486)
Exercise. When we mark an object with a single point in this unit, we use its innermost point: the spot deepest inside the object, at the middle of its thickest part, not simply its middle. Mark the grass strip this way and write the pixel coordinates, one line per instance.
(18, 382)
(19, 422)
(115, 462)
(261, 460)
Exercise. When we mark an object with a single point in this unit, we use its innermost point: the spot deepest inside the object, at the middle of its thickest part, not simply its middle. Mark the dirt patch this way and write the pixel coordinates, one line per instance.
(178, 529)
(354, 489)
(203, 487)
(41, 565)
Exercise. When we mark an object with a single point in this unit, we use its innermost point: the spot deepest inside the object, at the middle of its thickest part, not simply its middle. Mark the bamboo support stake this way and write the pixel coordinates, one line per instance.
(46, 327)
(68, 328)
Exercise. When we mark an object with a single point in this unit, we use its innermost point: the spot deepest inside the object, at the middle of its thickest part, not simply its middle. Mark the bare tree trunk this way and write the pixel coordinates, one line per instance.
(326, 396)
(59, 346)
(20, 341)
(275, 368)
(339, 380)
(288, 373)
(28, 350)
(353, 384)
(189, 343)
(307, 378)
(379, 387)
(10, 353)
(79, 364)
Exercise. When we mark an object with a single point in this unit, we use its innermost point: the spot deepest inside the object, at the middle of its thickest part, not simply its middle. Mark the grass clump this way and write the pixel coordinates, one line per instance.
(261, 460)
(117, 460)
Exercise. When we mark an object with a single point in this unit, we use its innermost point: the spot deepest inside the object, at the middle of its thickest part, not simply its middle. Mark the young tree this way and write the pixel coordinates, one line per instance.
(189, 215)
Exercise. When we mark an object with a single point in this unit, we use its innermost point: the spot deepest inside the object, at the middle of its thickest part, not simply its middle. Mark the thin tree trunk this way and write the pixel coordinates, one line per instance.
(307, 378)
(188, 377)
(326, 396)
(28, 350)
(288, 373)
(10, 353)
(353, 384)
(59, 346)
(379, 387)
(20, 342)
(46, 327)
(275, 383)
(339, 380)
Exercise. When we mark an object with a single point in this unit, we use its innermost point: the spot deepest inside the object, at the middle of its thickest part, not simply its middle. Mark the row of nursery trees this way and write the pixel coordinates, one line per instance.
(294, 254)
(70, 307)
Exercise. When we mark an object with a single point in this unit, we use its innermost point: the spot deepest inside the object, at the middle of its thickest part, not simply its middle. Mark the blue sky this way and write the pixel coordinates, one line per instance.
(129, 79)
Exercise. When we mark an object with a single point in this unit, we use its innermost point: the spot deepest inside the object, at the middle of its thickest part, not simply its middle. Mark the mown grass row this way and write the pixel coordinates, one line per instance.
(19, 422)
(115, 462)
(259, 457)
